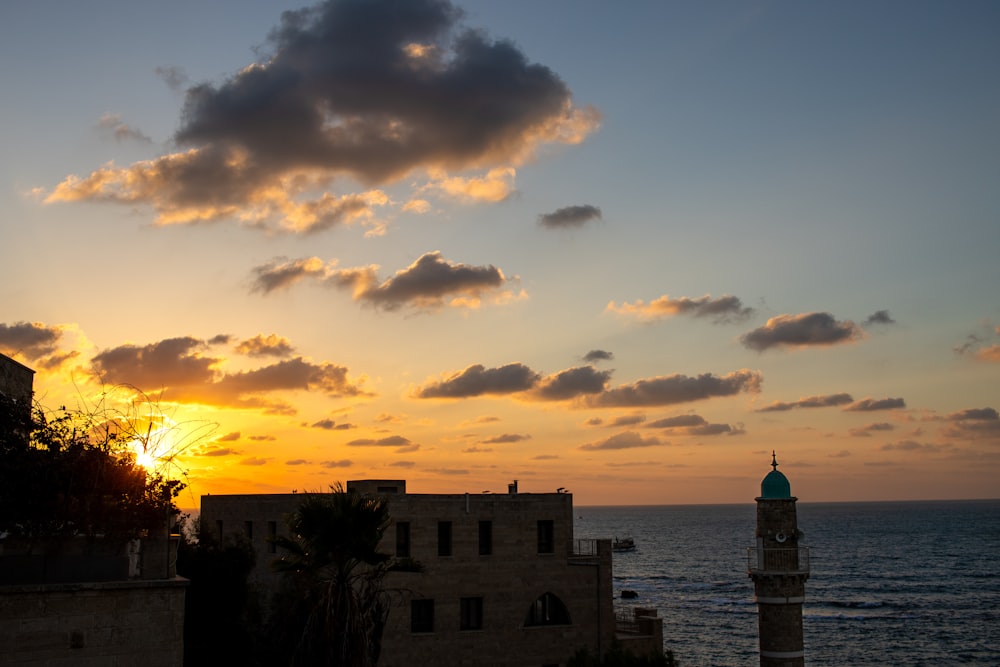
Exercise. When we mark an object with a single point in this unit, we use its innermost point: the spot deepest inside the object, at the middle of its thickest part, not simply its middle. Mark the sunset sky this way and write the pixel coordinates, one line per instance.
(622, 248)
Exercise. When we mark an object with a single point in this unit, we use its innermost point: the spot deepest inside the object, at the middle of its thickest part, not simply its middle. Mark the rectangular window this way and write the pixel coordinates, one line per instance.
(272, 535)
(444, 538)
(248, 530)
(403, 539)
(218, 531)
(485, 538)
(421, 615)
(472, 614)
(546, 537)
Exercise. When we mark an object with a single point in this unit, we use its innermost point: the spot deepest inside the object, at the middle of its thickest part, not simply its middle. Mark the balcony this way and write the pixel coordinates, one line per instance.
(784, 560)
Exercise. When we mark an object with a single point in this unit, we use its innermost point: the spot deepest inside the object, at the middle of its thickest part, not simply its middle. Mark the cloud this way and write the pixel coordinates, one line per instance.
(672, 389)
(272, 345)
(991, 353)
(495, 186)
(570, 383)
(175, 77)
(402, 464)
(724, 309)
(373, 91)
(430, 282)
(973, 423)
(914, 446)
(626, 440)
(569, 217)
(254, 461)
(215, 450)
(342, 463)
(229, 437)
(985, 414)
(544, 457)
(477, 380)
(119, 130)
(598, 355)
(34, 340)
(809, 402)
(331, 425)
(873, 404)
(866, 431)
(695, 425)
(477, 450)
(618, 422)
(879, 317)
(505, 439)
(806, 329)
(388, 441)
(178, 366)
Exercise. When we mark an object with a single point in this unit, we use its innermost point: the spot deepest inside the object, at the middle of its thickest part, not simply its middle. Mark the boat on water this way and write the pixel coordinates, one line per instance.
(623, 544)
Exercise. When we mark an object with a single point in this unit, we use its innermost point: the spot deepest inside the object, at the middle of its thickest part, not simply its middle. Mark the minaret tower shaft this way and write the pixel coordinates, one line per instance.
(779, 567)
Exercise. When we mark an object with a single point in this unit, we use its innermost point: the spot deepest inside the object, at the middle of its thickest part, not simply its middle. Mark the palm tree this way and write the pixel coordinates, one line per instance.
(336, 571)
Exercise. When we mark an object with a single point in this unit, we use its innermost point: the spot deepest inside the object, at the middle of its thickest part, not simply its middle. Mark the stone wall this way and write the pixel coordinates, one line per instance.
(110, 624)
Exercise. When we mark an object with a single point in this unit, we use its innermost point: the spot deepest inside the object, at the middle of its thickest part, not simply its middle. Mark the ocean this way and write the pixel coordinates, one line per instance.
(891, 583)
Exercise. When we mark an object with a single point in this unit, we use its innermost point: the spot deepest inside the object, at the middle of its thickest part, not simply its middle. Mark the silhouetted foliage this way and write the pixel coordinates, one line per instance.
(617, 656)
(221, 610)
(71, 474)
(335, 602)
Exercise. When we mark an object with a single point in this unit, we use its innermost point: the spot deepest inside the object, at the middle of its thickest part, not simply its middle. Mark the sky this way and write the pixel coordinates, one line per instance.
(627, 250)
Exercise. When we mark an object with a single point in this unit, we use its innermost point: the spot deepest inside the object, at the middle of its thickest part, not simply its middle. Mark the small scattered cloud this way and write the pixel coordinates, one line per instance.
(569, 217)
(823, 401)
(570, 383)
(695, 425)
(342, 463)
(873, 404)
(331, 425)
(506, 438)
(991, 353)
(215, 450)
(175, 77)
(914, 446)
(879, 317)
(673, 389)
(429, 283)
(297, 462)
(724, 309)
(229, 437)
(973, 423)
(389, 441)
(544, 457)
(477, 450)
(803, 330)
(598, 355)
(254, 461)
(626, 440)
(477, 380)
(867, 430)
(271, 345)
(116, 128)
(621, 421)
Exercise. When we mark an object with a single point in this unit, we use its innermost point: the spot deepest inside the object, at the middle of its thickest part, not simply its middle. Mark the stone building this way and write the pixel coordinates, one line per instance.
(503, 581)
(779, 567)
(16, 381)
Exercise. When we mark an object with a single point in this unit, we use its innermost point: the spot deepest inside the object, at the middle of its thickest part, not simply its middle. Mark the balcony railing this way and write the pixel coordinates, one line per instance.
(790, 560)
(584, 547)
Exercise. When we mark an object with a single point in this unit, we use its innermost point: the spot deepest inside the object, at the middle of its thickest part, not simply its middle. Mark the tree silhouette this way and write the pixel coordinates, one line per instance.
(338, 602)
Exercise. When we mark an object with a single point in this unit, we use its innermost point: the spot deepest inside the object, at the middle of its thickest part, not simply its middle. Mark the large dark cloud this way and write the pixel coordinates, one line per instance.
(31, 339)
(177, 366)
(372, 89)
(569, 216)
(806, 329)
(672, 389)
(825, 401)
(724, 309)
(429, 282)
(874, 404)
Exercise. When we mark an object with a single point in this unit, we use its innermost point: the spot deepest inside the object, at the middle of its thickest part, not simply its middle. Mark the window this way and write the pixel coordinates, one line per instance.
(421, 615)
(547, 610)
(444, 538)
(546, 537)
(218, 530)
(272, 535)
(472, 614)
(485, 538)
(248, 530)
(403, 539)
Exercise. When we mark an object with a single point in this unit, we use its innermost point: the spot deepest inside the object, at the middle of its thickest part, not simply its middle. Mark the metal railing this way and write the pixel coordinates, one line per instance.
(584, 547)
(793, 560)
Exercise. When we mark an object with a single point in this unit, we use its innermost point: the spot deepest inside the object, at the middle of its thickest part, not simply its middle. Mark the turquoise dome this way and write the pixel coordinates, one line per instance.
(775, 484)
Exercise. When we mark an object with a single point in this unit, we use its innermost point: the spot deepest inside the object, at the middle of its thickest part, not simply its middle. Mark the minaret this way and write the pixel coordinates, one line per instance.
(779, 567)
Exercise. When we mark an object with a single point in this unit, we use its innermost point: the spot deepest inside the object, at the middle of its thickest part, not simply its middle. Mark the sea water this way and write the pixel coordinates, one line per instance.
(902, 583)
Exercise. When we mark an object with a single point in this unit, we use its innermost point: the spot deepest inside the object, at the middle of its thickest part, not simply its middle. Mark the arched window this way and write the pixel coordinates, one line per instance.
(547, 610)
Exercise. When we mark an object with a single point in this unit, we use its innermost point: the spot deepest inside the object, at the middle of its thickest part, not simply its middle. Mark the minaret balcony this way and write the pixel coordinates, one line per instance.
(778, 560)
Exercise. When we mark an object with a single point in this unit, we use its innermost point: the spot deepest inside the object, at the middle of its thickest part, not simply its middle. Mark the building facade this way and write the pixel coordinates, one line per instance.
(502, 582)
